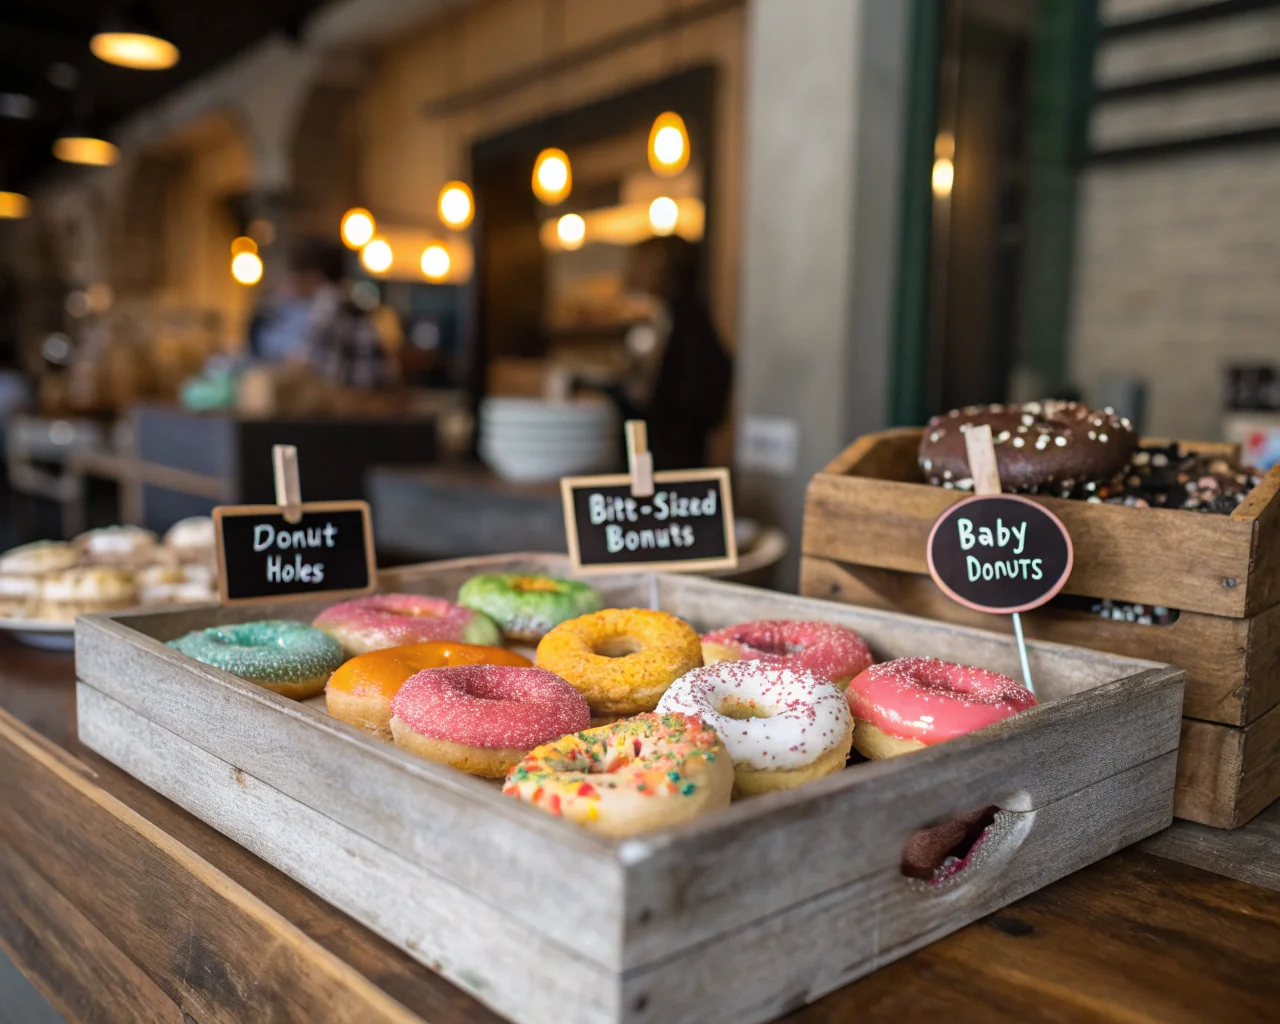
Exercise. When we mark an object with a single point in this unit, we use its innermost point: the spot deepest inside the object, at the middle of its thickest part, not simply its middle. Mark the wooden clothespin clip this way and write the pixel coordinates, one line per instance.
(284, 461)
(639, 460)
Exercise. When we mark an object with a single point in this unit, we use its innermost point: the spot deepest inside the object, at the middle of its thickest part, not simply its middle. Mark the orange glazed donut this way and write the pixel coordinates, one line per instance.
(360, 691)
(633, 776)
(621, 659)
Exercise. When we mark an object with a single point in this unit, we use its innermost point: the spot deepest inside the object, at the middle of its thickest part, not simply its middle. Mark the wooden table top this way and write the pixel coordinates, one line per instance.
(120, 906)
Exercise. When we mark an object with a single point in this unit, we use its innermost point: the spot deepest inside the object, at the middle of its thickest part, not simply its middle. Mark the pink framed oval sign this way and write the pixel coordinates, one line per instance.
(999, 553)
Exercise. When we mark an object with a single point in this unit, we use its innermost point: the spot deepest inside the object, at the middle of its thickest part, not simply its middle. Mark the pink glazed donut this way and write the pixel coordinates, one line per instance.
(392, 620)
(904, 705)
(483, 719)
(823, 648)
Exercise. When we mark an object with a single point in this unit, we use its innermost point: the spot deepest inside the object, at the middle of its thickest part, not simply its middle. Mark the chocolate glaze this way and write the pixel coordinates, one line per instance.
(1050, 447)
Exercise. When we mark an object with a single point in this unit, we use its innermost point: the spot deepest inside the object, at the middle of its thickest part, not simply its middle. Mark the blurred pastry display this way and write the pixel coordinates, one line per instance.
(106, 569)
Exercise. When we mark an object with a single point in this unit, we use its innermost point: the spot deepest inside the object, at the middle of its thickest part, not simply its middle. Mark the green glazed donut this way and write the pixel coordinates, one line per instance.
(526, 606)
(291, 658)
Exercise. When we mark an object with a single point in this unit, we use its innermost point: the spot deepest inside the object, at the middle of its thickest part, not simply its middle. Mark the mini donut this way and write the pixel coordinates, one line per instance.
(289, 658)
(621, 659)
(85, 590)
(630, 777)
(392, 620)
(911, 703)
(823, 648)
(782, 727)
(116, 545)
(38, 558)
(18, 595)
(360, 691)
(1040, 446)
(526, 606)
(191, 539)
(483, 719)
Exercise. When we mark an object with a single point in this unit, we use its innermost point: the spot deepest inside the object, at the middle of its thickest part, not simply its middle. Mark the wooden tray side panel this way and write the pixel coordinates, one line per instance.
(1155, 556)
(811, 949)
(1227, 776)
(478, 947)
(556, 878)
(1232, 665)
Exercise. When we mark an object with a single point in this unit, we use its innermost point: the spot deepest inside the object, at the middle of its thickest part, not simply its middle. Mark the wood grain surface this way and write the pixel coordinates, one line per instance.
(1135, 938)
(1250, 853)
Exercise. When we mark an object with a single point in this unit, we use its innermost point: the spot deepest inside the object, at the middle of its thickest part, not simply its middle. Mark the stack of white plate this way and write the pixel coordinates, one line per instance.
(529, 440)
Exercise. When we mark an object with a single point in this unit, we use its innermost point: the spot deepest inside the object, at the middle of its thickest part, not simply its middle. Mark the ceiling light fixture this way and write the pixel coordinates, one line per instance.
(663, 215)
(357, 227)
(552, 177)
(571, 230)
(88, 150)
(246, 267)
(377, 256)
(668, 145)
(130, 38)
(435, 262)
(14, 206)
(456, 204)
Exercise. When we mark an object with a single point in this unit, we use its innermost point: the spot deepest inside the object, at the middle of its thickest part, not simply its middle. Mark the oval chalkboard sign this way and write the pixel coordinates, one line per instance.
(999, 553)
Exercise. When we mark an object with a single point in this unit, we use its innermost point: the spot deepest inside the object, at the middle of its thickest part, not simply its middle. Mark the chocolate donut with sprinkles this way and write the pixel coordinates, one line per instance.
(1041, 447)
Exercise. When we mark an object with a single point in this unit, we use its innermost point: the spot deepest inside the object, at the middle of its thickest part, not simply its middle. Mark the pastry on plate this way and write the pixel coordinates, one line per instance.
(83, 590)
(38, 558)
(128, 546)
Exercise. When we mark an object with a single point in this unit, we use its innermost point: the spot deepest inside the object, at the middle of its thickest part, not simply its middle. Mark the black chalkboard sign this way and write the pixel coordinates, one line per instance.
(999, 553)
(686, 525)
(263, 557)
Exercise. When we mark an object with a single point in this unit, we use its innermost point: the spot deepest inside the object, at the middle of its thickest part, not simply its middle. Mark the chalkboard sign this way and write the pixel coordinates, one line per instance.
(263, 557)
(999, 553)
(686, 525)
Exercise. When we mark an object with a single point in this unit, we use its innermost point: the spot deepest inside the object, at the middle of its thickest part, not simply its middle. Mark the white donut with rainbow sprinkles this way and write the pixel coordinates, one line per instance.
(782, 727)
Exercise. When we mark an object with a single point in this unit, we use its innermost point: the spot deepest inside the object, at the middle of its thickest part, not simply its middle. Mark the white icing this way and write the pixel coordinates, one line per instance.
(807, 716)
(195, 532)
(19, 586)
(118, 540)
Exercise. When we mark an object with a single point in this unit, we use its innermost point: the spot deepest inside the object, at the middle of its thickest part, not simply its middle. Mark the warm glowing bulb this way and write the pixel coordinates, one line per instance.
(571, 230)
(357, 228)
(668, 144)
(435, 262)
(84, 149)
(944, 176)
(376, 256)
(14, 206)
(663, 214)
(136, 50)
(243, 244)
(456, 206)
(552, 179)
(246, 267)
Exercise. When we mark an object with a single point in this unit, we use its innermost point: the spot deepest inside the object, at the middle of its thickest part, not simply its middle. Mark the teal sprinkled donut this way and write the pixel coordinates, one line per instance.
(524, 606)
(291, 658)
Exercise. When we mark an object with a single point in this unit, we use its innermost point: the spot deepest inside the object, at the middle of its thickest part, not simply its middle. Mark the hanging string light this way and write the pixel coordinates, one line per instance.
(14, 206)
(668, 145)
(377, 257)
(435, 262)
(663, 214)
(456, 205)
(357, 228)
(85, 149)
(552, 177)
(130, 38)
(571, 230)
(246, 267)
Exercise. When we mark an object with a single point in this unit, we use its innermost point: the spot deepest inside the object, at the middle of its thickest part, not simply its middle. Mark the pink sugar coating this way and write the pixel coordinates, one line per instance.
(831, 651)
(930, 700)
(494, 706)
(399, 618)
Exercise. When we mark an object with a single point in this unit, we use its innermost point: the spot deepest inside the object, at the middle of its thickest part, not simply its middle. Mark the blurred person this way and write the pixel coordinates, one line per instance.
(681, 386)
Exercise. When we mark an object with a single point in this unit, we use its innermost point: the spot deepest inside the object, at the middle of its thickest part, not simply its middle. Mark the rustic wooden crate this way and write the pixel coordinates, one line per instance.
(738, 916)
(867, 520)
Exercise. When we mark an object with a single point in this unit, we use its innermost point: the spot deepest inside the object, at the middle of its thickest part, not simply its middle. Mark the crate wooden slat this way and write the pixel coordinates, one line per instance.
(733, 917)
(867, 520)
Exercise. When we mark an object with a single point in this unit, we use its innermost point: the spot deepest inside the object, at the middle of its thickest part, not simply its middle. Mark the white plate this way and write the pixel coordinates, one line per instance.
(42, 633)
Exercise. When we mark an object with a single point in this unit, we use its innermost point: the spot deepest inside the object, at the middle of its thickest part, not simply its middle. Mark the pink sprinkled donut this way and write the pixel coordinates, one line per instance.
(904, 705)
(823, 648)
(392, 620)
(483, 719)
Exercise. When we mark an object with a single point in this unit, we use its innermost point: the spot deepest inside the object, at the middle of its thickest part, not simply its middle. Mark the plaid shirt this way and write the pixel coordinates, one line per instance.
(342, 345)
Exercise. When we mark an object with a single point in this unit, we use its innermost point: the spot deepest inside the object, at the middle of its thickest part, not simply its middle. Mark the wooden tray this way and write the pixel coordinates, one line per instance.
(867, 519)
(738, 916)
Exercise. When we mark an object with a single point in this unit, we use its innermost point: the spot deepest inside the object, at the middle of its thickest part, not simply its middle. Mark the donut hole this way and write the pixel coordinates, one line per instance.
(741, 710)
(534, 584)
(617, 646)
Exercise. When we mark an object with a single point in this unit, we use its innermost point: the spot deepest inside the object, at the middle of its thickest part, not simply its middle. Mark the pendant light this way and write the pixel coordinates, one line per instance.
(377, 256)
(668, 145)
(129, 37)
(552, 177)
(456, 205)
(14, 206)
(663, 215)
(435, 262)
(246, 267)
(74, 147)
(357, 227)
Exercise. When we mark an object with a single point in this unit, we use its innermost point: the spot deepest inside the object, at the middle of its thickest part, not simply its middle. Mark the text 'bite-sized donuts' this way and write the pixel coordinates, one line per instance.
(482, 719)
(630, 777)
(621, 659)
(371, 623)
(290, 658)
(360, 691)
(1047, 447)
(823, 648)
(904, 705)
(782, 727)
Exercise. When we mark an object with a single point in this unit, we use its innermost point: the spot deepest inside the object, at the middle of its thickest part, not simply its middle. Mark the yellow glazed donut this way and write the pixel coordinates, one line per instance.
(647, 772)
(621, 659)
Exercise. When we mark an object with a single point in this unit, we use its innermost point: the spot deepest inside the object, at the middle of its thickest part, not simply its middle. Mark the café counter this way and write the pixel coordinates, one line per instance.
(119, 906)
